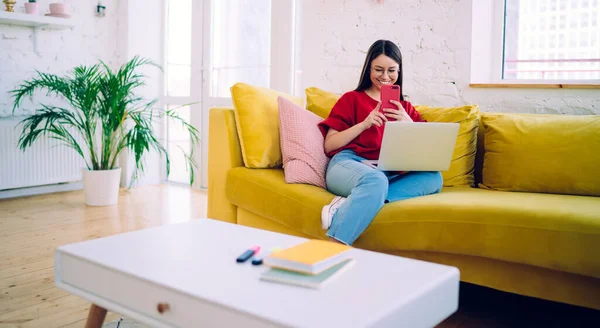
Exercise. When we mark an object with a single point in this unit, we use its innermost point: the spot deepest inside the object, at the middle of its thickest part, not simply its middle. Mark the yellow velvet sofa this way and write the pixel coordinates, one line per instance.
(544, 245)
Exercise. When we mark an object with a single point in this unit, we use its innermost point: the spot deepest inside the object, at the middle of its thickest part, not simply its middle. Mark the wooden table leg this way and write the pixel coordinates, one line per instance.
(95, 317)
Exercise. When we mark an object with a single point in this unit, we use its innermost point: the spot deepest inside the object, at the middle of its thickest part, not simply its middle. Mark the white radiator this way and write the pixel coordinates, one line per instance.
(46, 162)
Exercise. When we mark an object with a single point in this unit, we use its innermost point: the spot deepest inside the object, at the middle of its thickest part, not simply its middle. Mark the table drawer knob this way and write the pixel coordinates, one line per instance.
(162, 307)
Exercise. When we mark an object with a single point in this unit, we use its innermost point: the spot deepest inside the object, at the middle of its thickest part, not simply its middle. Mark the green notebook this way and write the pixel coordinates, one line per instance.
(304, 279)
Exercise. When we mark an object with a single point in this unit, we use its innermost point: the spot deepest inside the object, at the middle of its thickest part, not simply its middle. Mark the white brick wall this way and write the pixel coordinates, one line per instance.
(93, 38)
(434, 37)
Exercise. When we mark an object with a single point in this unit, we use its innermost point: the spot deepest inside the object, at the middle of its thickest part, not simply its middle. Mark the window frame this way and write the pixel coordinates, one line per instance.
(487, 52)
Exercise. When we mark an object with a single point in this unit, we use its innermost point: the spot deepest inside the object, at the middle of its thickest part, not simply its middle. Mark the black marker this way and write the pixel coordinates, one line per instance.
(248, 254)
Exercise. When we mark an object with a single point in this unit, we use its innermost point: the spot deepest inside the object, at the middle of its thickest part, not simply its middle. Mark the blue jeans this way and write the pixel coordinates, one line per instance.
(367, 190)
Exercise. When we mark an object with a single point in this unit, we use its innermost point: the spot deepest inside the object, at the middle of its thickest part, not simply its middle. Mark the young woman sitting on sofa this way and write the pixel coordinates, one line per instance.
(353, 132)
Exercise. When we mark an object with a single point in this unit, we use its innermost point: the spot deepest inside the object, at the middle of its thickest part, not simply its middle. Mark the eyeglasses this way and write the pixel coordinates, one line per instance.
(380, 71)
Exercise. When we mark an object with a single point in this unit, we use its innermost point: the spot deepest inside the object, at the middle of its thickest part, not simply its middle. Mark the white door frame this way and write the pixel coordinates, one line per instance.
(195, 97)
(284, 69)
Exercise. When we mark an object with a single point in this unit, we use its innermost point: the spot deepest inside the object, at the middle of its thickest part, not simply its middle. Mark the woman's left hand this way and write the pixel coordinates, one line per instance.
(398, 114)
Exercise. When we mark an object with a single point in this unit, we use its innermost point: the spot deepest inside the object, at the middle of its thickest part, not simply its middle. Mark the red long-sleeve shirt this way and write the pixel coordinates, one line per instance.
(352, 108)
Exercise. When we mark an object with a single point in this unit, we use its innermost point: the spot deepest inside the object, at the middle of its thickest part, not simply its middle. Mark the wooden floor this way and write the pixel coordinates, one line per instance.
(32, 227)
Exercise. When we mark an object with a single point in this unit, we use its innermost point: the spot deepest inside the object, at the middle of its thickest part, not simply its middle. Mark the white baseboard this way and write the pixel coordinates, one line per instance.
(12, 193)
(39, 190)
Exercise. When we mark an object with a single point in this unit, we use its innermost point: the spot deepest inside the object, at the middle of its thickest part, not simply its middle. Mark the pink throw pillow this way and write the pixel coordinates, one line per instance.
(304, 159)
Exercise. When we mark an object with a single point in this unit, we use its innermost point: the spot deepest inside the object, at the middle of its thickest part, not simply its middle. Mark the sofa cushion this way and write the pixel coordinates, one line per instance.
(559, 232)
(320, 101)
(304, 159)
(542, 153)
(461, 171)
(257, 123)
(462, 168)
(256, 190)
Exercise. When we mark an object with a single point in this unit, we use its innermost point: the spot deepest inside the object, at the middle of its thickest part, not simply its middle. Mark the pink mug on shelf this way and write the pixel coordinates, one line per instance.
(57, 8)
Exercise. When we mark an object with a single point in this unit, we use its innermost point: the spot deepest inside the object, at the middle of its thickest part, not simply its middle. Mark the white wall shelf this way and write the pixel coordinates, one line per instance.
(37, 22)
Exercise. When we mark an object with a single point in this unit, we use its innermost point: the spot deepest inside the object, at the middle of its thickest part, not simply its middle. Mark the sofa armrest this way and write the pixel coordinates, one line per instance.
(224, 153)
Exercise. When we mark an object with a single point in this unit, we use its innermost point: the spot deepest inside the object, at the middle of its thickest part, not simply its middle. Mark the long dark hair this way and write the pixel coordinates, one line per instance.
(380, 47)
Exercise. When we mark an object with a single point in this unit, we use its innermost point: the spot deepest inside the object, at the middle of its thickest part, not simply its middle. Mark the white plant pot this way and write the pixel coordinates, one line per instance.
(101, 187)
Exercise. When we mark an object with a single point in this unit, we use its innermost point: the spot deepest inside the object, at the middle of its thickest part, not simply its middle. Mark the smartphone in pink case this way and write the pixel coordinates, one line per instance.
(389, 92)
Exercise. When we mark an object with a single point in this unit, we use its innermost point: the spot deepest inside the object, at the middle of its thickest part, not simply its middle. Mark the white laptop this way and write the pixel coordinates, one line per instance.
(408, 146)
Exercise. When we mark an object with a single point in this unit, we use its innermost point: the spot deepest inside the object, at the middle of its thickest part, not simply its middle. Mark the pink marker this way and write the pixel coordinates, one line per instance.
(248, 254)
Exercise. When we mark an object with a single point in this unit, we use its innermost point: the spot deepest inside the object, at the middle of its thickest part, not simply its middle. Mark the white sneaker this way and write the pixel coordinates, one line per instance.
(329, 211)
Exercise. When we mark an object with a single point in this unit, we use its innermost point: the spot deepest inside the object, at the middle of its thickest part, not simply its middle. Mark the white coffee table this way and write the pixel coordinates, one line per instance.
(186, 275)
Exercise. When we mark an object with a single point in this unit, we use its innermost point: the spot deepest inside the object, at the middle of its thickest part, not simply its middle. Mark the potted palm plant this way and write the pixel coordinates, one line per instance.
(106, 118)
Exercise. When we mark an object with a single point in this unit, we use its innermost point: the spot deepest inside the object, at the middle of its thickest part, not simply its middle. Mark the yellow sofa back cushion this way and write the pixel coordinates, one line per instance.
(320, 102)
(257, 123)
(542, 153)
(462, 168)
(461, 171)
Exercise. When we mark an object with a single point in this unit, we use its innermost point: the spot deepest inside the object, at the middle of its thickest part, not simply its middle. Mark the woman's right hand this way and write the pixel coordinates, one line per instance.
(374, 118)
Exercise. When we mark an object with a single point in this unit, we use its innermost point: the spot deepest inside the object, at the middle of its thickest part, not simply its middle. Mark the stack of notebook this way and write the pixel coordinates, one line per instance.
(310, 264)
